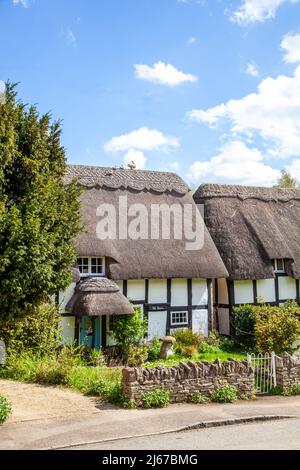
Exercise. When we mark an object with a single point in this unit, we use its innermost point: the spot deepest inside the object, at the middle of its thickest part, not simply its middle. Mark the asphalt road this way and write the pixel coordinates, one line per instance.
(273, 435)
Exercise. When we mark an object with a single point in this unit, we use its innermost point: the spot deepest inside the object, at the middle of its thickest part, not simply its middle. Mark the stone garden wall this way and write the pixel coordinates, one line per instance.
(287, 370)
(185, 379)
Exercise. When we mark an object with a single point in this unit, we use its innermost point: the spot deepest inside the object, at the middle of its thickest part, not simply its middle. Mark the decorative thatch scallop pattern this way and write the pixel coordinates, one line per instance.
(253, 226)
(116, 178)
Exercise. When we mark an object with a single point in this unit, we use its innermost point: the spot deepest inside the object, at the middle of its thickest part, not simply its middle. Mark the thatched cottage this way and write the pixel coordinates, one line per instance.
(256, 231)
(171, 284)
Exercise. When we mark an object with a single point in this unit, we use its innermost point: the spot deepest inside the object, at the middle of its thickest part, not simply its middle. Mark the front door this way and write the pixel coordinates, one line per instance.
(90, 332)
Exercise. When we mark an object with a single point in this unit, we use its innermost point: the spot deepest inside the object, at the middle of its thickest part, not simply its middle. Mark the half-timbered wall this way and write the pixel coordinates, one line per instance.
(158, 298)
(234, 293)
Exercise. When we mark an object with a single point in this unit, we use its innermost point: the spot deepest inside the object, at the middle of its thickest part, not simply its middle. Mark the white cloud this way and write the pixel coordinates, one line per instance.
(24, 3)
(2, 92)
(71, 36)
(294, 169)
(291, 44)
(191, 40)
(142, 139)
(235, 164)
(273, 114)
(137, 157)
(252, 70)
(251, 11)
(163, 74)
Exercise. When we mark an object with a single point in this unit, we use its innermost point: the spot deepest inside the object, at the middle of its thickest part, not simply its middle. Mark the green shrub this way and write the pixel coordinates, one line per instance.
(128, 331)
(5, 409)
(189, 351)
(292, 391)
(137, 355)
(224, 394)
(267, 328)
(213, 338)
(154, 350)
(158, 398)
(276, 391)
(198, 398)
(243, 321)
(276, 328)
(38, 332)
(187, 338)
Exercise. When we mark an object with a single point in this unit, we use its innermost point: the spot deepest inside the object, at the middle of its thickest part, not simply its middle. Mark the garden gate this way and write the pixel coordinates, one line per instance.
(264, 371)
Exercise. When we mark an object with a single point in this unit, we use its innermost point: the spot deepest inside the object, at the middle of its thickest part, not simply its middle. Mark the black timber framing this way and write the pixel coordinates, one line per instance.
(190, 303)
(169, 298)
(209, 284)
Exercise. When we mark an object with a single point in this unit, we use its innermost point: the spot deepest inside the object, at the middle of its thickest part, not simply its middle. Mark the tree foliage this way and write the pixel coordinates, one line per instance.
(287, 181)
(39, 214)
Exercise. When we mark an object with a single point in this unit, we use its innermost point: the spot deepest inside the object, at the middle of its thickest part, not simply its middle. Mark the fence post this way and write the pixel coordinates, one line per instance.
(274, 369)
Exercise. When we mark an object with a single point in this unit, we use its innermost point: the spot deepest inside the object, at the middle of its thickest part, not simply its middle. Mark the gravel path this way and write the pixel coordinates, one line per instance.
(33, 402)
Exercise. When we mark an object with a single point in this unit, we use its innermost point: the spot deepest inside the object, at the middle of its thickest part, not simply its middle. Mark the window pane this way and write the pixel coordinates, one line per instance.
(179, 318)
(280, 265)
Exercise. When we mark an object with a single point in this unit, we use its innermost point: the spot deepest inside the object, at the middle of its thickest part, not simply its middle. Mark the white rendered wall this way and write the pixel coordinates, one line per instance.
(243, 292)
(157, 324)
(287, 288)
(200, 321)
(199, 292)
(179, 293)
(68, 329)
(157, 291)
(266, 290)
(136, 290)
(65, 297)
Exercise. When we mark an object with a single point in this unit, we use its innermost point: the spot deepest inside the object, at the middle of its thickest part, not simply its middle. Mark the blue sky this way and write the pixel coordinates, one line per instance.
(207, 88)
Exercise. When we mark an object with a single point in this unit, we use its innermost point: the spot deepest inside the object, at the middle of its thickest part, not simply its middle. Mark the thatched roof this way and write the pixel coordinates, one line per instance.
(95, 297)
(141, 259)
(252, 226)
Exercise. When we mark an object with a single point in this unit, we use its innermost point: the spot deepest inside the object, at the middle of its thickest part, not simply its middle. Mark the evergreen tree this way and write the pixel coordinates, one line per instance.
(39, 214)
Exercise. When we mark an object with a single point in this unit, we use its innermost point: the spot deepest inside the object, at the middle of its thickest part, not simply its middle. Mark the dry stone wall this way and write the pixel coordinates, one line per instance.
(185, 379)
(287, 370)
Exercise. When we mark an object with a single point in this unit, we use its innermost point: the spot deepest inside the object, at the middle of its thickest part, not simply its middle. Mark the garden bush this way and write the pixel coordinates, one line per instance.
(137, 355)
(189, 351)
(198, 398)
(128, 331)
(267, 328)
(243, 321)
(39, 331)
(293, 390)
(158, 398)
(224, 394)
(187, 338)
(276, 328)
(5, 409)
(154, 350)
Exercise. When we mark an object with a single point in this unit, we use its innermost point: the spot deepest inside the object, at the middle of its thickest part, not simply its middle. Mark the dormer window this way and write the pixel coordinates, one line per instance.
(91, 266)
(278, 265)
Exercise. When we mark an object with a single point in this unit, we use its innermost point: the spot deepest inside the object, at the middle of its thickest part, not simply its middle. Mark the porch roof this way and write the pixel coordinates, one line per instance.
(95, 297)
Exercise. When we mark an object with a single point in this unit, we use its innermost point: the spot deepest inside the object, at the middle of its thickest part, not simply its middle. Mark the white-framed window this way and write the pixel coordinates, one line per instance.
(278, 265)
(179, 318)
(91, 266)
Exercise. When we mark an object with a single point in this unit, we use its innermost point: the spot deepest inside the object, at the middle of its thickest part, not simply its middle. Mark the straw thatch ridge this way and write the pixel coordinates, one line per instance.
(142, 259)
(95, 297)
(120, 178)
(251, 226)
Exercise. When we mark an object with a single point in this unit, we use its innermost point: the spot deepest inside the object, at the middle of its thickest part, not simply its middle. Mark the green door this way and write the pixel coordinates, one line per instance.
(90, 332)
